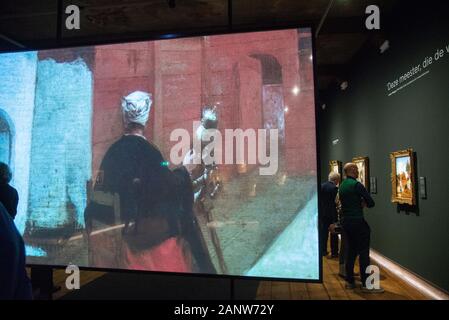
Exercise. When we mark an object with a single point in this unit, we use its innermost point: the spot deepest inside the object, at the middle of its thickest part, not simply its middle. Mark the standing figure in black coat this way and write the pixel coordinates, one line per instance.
(8, 195)
(14, 282)
(155, 228)
(329, 214)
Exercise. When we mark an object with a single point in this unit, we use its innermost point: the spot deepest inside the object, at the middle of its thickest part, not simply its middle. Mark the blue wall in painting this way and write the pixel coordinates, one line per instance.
(17, 83)
(61, 144)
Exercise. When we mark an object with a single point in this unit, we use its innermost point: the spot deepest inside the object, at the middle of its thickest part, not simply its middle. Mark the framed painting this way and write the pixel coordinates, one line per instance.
(363, 166)
(336, 166)
(403, 177)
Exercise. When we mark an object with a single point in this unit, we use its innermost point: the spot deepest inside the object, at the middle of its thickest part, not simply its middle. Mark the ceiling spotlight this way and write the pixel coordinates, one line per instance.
(311, 57)
(323, 106)
(385, 46)
(344, 85)
(295, 90)
(286, 109)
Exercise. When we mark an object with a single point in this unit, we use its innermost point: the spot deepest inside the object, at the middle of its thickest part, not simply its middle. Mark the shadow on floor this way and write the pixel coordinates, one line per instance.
(129, 286)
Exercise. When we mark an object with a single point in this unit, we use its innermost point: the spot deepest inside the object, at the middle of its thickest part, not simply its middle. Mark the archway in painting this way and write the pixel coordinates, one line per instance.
(6, 138)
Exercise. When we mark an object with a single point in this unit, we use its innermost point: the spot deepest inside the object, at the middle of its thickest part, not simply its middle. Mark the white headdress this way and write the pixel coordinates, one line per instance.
(209, 120)
(209, 113)
(136, 107)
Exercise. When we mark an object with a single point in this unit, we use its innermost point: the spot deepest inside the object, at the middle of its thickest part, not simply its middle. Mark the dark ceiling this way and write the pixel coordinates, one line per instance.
(33, 24)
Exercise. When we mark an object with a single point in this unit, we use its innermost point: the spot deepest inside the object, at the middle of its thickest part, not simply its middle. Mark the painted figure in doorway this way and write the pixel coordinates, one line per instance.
(207, 183)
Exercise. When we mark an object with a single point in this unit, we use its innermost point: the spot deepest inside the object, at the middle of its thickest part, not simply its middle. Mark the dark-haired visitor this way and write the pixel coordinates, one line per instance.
(8, 194)
(14, 281)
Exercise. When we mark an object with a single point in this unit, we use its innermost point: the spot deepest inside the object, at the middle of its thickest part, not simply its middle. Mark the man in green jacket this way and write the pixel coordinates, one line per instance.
(354, 197)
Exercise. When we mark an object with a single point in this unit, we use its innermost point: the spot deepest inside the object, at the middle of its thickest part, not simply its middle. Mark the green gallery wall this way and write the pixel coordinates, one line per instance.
(370, 123)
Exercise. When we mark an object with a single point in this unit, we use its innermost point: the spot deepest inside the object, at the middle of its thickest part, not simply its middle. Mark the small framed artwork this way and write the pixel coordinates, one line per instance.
(363, 166)
(403, 177)
(335, 166)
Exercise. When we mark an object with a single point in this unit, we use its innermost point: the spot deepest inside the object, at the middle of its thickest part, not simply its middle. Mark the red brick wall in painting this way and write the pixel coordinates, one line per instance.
(118, 70)
(185, 74)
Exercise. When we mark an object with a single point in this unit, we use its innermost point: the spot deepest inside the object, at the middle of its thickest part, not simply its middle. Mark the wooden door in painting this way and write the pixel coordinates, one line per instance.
(273, 109)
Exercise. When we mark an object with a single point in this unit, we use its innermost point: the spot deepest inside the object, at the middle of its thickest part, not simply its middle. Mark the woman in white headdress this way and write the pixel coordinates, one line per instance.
(160, 233)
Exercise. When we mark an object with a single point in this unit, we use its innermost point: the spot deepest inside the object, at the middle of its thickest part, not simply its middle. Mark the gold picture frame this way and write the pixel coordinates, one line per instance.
(403, 188)
(336, 166)
(363, 166)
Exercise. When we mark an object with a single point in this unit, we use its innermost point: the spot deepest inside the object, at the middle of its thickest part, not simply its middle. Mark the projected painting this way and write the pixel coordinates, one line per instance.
(193, 155)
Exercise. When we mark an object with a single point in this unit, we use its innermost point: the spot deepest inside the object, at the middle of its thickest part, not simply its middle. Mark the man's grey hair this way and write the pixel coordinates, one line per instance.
(334, 176)
(5, 173)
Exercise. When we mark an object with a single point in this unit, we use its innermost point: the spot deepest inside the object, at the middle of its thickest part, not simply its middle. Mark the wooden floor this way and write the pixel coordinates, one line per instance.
(59, 279)
(332, 288)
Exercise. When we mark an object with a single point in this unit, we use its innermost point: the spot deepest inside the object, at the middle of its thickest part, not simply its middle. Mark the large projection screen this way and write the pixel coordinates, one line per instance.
(190, 155)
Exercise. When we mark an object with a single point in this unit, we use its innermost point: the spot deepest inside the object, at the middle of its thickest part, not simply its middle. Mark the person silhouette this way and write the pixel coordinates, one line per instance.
(14, 281)
(8, 195)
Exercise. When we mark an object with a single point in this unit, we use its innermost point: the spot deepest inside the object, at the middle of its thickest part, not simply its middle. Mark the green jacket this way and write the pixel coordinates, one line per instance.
(351, 194)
